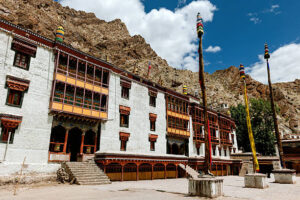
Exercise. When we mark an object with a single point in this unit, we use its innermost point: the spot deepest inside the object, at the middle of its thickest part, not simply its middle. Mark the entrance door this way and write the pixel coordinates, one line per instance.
(74, 142)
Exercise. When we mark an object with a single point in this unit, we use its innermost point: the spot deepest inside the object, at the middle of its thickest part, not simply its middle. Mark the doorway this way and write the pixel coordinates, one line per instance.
(74, 143)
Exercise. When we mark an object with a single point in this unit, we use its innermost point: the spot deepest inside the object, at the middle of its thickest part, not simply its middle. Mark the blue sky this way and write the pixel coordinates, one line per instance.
(235, 31)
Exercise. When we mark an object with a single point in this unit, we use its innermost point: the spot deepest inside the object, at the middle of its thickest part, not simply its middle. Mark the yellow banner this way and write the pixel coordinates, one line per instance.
(250, 131)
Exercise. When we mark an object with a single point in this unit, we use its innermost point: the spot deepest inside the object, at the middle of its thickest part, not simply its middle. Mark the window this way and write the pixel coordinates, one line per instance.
(16, 88)
(124, 138)
(14, 97)
(22, 60)
(124, 116)
(220, 152)
(152, 145)
(225, 152)
(214, 150)
(24, 51)
(152, 96)
(152, 125)
(152, 118)
(5, 135)
(126, 85)
(153, 101)
(152, 140)
(124, 120)
(198, 151)
(123, 145)
(125, 93)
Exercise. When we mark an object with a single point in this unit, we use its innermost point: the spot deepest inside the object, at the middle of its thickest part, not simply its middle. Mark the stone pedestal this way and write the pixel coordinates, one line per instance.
(206, 187)
(285, 176)
(256, 181)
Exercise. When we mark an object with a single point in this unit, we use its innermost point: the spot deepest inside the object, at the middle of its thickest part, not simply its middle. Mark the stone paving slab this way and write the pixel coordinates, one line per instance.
(152, 190)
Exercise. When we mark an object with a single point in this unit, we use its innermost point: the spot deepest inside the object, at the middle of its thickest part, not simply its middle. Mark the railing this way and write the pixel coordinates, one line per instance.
(199, 137)
(79, 104)
(81, 76)
(214, 139)
(226, 142)
(179, 126)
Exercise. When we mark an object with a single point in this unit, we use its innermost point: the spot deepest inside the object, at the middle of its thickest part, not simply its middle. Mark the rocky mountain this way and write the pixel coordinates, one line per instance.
(111, 41)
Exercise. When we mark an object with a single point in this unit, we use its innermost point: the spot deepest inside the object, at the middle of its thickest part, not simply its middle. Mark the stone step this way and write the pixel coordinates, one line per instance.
(94, 183)
(86, 170)
(87, 173)
(90, 176)
(190, 171)
(93, 180)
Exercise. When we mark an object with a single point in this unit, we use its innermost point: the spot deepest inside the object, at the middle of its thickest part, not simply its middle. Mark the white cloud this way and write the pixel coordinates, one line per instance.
(274, 9)
(172, 34)
(284, 65)
(212, 49)
(255, 20)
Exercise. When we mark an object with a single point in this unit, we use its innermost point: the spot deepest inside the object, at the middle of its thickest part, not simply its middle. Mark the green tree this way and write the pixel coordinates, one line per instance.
(262, 126)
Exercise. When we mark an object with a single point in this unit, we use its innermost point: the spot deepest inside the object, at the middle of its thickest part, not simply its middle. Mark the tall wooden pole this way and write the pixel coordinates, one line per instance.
(279, 144)
(202, 85)
(249, 127)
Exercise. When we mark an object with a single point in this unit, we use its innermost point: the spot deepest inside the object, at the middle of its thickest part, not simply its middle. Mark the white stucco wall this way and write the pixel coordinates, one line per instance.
(31, 139)
(139, 123)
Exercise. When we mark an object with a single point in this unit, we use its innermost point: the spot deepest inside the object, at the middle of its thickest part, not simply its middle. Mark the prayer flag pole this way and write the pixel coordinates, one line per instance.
(200, 32)
(251, 139)
(279, 144)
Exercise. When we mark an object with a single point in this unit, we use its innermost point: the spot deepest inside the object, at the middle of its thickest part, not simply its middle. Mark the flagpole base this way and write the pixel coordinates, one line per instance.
(256, 180)
(206, 186)
(285, 176)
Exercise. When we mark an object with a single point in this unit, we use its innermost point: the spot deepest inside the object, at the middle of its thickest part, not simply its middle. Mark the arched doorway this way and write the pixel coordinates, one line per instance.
(74, 142)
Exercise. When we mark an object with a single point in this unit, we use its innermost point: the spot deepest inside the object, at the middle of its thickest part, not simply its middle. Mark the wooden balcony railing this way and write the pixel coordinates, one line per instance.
(81, 81)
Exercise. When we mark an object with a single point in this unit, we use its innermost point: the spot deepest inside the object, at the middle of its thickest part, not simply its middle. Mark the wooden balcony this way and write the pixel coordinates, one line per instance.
(226, 142)
(178, 132)
(178, 115)
(76, 110)
(81, 83)
(199, 138)
(214, 139)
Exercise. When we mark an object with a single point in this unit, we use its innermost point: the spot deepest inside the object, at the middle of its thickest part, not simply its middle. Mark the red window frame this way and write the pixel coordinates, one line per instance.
(22, 60)
(123, 145)
(152, 125)
(152, 145)
(125, 92)
(5, 133)
(14, 97)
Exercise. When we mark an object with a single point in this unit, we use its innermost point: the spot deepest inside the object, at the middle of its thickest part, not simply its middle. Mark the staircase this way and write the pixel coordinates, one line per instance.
(190, 171)
(86, 173)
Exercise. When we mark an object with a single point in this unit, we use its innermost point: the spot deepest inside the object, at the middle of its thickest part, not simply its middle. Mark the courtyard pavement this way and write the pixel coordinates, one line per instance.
(150, 190)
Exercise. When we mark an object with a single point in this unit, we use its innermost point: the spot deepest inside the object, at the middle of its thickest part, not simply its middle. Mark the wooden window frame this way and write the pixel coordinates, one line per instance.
(5, 132)
(152, 101)
(123, 140)
(152, 140)
(152, 145)
(22, 55)
(152, 125)
(123, 124)
(125, 92)
(11, 97)
(123, 145)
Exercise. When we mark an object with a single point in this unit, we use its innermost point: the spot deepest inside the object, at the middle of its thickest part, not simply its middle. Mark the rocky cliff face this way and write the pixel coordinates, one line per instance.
(111, 41)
